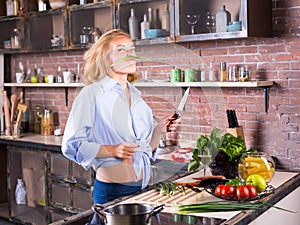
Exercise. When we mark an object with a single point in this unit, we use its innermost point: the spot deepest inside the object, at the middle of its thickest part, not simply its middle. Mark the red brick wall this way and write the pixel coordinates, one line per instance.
(276, 58)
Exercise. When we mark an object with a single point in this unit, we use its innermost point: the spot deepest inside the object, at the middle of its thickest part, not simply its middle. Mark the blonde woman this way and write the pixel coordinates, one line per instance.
(110, 127)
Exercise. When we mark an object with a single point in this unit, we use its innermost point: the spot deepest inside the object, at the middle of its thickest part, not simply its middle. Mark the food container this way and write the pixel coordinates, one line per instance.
(256, 163)
(47, 127)
(154, 33)
(127, 214)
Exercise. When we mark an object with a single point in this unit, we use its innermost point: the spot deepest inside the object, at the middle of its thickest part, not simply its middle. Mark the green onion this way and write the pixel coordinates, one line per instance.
(222, 206)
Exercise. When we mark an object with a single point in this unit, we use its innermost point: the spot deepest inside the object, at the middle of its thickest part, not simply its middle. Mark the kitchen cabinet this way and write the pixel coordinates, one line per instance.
(84, 18)
(47, 30)
(68, 23)
(7, 25)
(140, 8)
(255, 15)
(55, 186)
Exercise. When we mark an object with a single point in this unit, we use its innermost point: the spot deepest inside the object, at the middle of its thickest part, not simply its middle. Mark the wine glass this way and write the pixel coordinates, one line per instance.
(210, 21)
(204, 156)
(192, 20)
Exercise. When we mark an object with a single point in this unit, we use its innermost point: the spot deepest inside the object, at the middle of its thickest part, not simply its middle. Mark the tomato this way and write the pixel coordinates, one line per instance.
(218, 189)
(225, 191)
(252, 191)
(242, 192)
(228, 191)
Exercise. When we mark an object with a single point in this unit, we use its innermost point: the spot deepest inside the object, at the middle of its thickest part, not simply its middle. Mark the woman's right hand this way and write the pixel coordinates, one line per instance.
(123, 151)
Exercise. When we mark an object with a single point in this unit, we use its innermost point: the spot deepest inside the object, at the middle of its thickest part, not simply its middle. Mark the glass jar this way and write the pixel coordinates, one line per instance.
(16, 39)
(96, 34)
(47, 127)
(256, 163)
(37, 119)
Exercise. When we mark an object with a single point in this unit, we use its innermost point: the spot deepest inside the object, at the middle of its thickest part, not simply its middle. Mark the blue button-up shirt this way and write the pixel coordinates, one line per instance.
(101, 116)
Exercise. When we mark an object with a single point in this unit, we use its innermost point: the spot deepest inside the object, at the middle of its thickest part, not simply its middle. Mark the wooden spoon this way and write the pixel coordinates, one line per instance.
(14, 103)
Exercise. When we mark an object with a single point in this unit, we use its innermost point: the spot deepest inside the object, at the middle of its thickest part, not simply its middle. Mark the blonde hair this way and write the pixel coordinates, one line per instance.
(97, 65)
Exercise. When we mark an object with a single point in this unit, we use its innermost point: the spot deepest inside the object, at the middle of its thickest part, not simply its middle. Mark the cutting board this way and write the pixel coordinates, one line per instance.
(153, 197)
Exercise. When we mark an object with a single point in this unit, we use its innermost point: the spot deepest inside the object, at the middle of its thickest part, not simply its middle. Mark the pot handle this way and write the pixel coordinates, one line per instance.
(155, 210)
(97, 208)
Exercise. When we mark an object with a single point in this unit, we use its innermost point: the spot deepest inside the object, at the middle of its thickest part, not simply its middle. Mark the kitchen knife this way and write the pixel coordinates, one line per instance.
(182, 103)
(180, 106)
(235, 121)
(230, 118)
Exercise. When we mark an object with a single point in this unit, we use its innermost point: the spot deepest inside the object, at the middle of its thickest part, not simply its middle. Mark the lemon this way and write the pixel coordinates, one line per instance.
(34, 79)
(257, 181)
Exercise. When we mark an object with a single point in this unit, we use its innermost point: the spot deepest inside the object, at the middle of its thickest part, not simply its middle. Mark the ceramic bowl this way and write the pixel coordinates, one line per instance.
(154, 33)
(234, 26)
(55, 4)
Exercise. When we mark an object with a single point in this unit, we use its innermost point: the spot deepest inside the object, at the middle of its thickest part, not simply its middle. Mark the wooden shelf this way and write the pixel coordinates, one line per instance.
(44, 85)
(246, 84)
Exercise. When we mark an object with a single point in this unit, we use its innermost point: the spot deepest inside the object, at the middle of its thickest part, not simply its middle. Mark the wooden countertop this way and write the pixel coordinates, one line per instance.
(50, 142)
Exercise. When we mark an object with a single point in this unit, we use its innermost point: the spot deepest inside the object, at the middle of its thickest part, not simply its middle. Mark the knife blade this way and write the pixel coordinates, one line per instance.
(182, 103)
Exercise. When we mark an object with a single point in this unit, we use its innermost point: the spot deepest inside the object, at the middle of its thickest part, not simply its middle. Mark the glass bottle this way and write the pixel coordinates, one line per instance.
(133, 25)
(16, 7)
(222, 19)
(59, 76)
(144, 26)
(150, 18)
(25, 121)
(223, 72)
(16, 38)
(9, 8)
(165, 19)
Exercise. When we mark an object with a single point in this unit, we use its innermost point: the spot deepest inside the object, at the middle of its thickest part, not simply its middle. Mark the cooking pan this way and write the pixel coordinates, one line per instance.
(127, 214)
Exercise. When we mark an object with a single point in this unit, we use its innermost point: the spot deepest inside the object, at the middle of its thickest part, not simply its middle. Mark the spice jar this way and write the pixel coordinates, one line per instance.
(47, 127)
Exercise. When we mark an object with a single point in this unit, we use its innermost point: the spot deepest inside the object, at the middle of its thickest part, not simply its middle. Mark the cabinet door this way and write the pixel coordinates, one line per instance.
(83, 20)
(140, 8)
(30, 167)
(255, 17)
(47, 30)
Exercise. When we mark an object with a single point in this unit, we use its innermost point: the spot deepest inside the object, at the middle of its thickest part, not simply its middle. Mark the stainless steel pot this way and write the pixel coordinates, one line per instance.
(127, 214)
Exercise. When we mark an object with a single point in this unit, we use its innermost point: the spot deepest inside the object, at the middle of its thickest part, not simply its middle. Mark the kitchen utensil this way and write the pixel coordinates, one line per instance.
(7, 114)
(182, 103)
(127, 214)
(180, 106)
(21, 108)
(14, 102)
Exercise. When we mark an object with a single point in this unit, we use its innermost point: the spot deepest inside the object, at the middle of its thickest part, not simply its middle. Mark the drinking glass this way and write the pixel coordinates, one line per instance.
(204, 158)
(210, 21)
(192, 20)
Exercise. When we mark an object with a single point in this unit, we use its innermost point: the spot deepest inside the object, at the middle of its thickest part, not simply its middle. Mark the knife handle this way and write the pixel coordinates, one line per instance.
(174, 117)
